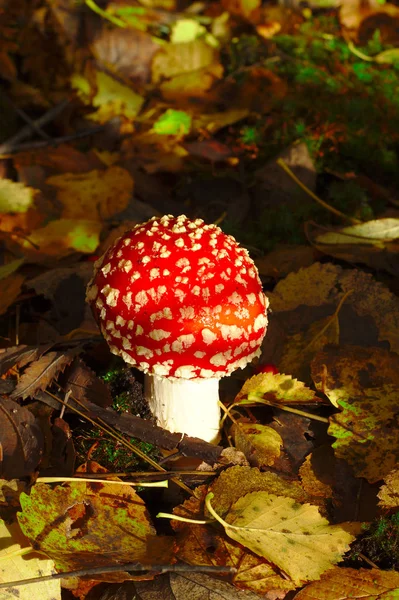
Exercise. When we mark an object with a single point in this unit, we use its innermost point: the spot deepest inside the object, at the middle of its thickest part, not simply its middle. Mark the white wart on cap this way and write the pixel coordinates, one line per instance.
(183, 302)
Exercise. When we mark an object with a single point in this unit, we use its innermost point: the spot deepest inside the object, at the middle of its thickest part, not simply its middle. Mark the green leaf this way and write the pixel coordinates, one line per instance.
(173, 122)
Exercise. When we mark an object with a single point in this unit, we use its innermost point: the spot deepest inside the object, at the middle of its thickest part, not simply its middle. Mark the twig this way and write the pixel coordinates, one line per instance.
(336, 212)
(26, 131)
(53, 142)
(21, 113)
(181, 568)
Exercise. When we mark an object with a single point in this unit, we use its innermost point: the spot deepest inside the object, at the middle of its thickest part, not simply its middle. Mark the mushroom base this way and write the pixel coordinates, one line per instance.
(189, 406)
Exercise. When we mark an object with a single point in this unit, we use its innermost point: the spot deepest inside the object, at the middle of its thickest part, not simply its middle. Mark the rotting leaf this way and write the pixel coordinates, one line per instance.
(21, 440)
(292, 536)
(260, 443)
(83, 525)
(349, 584)
(363, 383)
(39, 374)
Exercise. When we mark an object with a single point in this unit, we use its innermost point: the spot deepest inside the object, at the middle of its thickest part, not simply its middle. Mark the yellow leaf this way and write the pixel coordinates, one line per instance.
(113, 99)
(16, 567)
(11, 267)
(260, 443)
(176, 59)
(373, 232)
(62, 237)
(275, 388)
(292, 536)
(96, 195)
(15, 197)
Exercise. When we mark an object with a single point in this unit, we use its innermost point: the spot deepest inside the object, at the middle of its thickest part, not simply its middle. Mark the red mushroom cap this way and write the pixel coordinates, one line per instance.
(178, 298)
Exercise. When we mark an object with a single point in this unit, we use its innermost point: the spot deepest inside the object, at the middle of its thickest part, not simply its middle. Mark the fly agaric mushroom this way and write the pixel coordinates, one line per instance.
(183, 302)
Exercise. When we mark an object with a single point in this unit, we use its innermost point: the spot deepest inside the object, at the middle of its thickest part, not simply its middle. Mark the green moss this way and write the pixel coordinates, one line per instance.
(380, 542)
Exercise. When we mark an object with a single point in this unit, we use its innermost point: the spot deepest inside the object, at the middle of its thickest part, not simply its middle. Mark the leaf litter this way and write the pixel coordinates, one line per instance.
(163, 101)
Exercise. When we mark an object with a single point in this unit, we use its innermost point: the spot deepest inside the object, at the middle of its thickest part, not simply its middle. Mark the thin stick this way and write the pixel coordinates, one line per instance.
(122, 440)
(118, 568)
(141, 474)
(336, 212)
(9, 149)
(26, 131)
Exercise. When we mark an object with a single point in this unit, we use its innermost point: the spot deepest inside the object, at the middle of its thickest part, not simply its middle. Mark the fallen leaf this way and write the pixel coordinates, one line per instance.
(205, 545)
(201, 586)
(126, 52)
(176, 59)
(17, 567)
(292, 536)
(371, 243)
(311, 480)
(112, 98)
(241, 8)
(260, 443)
(327, 284)
(276, 388)
(389, 491)
(11, 267)
(21, 440)
(300, 348)
(363, 383)
(349, 584)
(19, 356)
(83, 525)
(15, 197)
(95, 195)
(39, 374)
(85, 385)
(173, 122)
(284, 259)
(10, 289)
(237, 481)
(61, 238)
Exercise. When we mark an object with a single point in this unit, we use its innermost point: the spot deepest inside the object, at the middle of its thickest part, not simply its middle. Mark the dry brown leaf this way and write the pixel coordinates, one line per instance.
(42, 372)
(21, 440)
(311, 481)
(349, 584)
(10, 288)
(19, 356)
(389, 492)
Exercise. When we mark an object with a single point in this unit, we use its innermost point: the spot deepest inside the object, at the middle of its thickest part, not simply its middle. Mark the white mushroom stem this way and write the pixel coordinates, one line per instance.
(188, 406)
